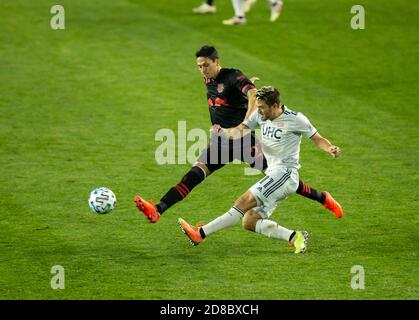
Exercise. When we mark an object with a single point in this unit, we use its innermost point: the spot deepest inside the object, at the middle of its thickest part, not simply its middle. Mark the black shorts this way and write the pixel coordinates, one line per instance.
(220, 151)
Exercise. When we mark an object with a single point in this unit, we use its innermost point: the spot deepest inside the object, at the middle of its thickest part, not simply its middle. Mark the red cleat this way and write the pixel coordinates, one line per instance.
(332, 205)
(192, 232)
(148, 208)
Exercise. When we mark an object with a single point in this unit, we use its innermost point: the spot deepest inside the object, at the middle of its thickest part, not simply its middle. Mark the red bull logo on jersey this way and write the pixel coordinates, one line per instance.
(271, 132)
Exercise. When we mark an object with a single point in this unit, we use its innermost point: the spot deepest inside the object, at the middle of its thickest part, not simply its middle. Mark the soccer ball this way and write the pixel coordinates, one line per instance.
(102, 200)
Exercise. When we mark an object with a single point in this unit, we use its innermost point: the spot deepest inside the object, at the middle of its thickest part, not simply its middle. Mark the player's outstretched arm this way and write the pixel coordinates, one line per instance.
(251, 104)
(325, 145)
(230, 133)
(251, 98)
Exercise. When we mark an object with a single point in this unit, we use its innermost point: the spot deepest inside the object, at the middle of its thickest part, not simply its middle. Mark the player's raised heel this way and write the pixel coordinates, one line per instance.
(300, 241)
(332, 205)
(191, 232)
(147, 208)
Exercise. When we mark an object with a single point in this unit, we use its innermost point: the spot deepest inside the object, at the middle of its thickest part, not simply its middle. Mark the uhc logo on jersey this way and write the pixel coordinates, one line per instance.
(271, 132)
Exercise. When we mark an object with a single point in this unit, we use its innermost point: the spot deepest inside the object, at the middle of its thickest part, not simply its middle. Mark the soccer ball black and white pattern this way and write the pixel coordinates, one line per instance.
(102, 200)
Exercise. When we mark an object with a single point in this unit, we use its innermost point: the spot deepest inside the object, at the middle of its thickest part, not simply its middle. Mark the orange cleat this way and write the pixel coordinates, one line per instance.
(192, 232)
(148, 208)
(332, 205)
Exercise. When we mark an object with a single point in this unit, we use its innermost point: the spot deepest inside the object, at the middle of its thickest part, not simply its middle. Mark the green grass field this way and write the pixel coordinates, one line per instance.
(80, 108)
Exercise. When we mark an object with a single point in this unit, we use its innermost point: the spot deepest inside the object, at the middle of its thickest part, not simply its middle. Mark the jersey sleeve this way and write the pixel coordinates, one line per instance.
(303, 126)
(253, 121)
(241, 82)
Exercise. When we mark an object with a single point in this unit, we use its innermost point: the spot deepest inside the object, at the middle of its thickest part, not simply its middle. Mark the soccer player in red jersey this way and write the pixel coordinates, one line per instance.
(231, 97)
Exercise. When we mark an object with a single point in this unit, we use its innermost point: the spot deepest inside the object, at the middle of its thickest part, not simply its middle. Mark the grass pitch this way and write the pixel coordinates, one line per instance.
(80, 108)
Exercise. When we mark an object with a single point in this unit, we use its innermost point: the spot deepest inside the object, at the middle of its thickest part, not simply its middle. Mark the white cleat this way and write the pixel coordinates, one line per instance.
(248, 5)
(204, 8)
(276, 11)
(234, 21)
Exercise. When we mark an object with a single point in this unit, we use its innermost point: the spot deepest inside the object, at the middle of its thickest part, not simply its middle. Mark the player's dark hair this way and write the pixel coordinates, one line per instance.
(207, 52)
(268, 94)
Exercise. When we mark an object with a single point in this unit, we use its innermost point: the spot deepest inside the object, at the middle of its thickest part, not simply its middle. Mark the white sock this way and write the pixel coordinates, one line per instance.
(228, 219)
(271, 229)
(238, 6)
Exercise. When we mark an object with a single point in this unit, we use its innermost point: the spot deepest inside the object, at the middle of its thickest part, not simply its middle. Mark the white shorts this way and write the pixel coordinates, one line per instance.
(278, 184)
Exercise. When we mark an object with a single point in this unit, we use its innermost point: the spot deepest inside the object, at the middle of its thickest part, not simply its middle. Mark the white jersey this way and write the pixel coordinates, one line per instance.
(281, 137)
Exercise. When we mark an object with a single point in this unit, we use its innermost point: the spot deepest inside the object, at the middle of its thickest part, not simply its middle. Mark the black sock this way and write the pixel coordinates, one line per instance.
(292, 236)
(210, 2)
(189, 181)
(161, 207)
(201, 231)
(306, 191)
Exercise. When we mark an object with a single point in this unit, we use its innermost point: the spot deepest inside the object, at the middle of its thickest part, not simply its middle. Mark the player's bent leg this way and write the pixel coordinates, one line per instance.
(256, 220)
(269, 192)
(250, 219)
(246, 202)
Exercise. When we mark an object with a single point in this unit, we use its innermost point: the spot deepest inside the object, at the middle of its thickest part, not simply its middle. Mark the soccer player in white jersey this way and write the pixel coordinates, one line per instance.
(281, 130)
